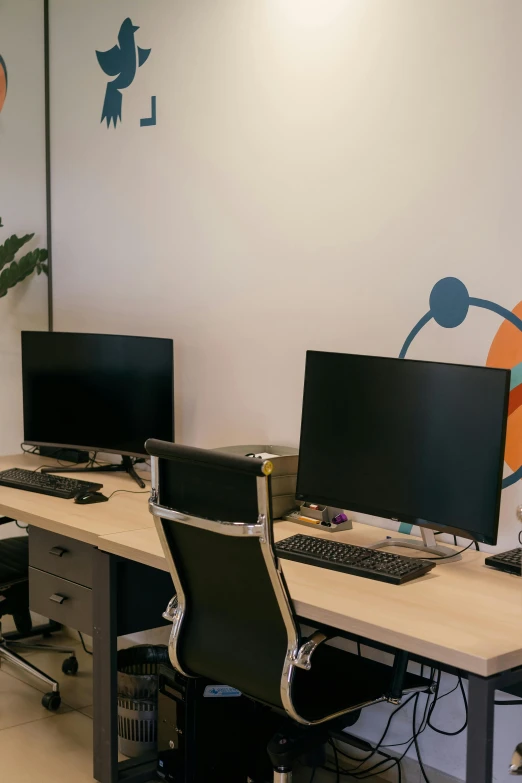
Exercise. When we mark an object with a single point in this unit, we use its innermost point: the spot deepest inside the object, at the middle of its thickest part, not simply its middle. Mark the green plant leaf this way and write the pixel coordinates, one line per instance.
(17, 271)
(13, 271)
(11, 247)
(4, 278)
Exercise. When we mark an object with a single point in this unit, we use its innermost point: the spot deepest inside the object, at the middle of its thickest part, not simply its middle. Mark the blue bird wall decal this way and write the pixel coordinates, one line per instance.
(121, 61)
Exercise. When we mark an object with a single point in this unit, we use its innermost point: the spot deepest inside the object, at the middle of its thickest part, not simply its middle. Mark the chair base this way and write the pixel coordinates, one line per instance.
(17, 660)
(287, 746)
(48, 647)
(282, 776)
(51, 700)
(44, 630)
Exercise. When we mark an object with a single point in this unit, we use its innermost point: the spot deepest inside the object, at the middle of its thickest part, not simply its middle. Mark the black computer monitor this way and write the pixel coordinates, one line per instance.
(414, 441)
(97, 392)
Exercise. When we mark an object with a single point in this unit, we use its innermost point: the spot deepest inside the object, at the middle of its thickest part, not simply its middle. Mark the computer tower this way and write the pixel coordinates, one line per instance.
(205, 731)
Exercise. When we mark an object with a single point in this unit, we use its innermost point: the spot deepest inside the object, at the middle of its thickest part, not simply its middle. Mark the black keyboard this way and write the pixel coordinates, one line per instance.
(350, 559)
(510, 562)
(45, 483)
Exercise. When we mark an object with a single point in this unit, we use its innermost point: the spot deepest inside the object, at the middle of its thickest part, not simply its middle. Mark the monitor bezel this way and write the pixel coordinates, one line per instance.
(401, 516)
(77, 447)
(101, 449)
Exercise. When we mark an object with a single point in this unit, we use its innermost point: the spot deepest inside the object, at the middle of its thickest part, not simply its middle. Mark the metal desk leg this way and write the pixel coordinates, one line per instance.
(479, 763)
(105, 668)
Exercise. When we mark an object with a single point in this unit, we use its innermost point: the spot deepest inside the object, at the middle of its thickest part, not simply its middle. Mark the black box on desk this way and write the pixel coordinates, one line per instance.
(65, 455)
(204, 730)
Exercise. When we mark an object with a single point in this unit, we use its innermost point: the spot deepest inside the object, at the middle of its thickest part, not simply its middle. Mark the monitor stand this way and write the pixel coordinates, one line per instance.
(126, 466)
(428, 544)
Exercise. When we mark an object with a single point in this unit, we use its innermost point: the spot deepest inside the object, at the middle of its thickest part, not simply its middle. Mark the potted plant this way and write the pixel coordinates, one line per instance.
(13, 271)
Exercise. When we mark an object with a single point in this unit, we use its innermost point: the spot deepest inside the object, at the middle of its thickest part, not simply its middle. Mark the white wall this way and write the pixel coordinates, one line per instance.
(22, 195)
(316, 167)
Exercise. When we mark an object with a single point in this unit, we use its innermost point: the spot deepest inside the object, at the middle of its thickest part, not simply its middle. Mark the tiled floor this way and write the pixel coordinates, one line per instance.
(39, 746)
(35, 744)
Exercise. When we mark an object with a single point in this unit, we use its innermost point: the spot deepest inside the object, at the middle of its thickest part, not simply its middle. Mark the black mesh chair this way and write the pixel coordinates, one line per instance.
(14, 600)
(233, 620)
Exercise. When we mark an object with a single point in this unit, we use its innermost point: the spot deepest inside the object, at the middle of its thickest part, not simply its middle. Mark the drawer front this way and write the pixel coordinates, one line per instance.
(61, 556)
(58, 599)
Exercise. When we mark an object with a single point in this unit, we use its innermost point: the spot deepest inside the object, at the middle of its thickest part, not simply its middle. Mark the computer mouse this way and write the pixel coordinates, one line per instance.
(86, 498)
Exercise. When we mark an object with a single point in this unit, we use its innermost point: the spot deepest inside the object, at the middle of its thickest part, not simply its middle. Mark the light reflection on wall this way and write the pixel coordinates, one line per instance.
(314, 13)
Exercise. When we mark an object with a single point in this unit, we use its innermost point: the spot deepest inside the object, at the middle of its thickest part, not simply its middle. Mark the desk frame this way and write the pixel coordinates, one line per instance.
(109, 587)
(105, 525)
(481, 703)
(113, 577)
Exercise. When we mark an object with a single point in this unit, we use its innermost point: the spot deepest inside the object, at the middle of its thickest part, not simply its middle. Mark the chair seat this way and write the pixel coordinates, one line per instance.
(14, 560)
(339, 680)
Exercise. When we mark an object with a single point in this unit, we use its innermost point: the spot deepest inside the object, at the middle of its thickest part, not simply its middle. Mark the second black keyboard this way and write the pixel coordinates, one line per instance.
(45, 483)
(350, 559)
(510, 562)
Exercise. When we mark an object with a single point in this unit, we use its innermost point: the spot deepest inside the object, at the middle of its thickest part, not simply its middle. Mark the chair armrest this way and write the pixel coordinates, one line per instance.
(170, 612)
(304, 655)
(5, 520)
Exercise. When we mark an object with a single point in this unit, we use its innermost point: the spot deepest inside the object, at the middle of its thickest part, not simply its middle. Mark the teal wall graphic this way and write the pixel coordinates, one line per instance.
(449, 306)
(122, 61)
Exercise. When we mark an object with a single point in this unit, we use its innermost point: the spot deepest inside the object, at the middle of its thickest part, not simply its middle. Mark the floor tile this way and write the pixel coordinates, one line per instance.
(89, 711)
(20, 703)
(76, 690)
(8, 624)
(48, 751)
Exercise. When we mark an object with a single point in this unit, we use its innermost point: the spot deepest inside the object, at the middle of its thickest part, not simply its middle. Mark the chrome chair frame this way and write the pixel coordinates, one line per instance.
(297, 655)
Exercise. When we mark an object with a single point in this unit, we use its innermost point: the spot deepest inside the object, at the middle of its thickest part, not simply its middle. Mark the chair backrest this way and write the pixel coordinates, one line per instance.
(234, 622)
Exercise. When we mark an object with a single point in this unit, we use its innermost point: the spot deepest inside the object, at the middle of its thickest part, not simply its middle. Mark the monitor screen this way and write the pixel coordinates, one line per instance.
(96, 391)
(418, 442)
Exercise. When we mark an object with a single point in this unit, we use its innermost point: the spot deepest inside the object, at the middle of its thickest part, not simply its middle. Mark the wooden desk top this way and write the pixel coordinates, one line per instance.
(85, 523)
(463, 614)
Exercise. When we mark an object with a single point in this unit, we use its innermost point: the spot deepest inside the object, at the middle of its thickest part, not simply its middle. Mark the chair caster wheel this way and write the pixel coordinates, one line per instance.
(70, 665)
(51, 701)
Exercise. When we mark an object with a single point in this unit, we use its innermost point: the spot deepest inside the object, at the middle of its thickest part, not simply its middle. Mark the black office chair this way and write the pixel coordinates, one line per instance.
(14, 600)
(233, 620)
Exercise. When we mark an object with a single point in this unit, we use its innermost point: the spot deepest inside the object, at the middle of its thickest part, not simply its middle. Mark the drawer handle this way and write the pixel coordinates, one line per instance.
(58, 551)
(57, 598)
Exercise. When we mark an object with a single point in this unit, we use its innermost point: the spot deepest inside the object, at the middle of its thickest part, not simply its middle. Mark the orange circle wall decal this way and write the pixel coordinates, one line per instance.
(450, 303)
(3, 82)
(506, 351)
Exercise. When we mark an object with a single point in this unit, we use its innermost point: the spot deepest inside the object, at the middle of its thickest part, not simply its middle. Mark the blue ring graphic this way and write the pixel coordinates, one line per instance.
(449, 306)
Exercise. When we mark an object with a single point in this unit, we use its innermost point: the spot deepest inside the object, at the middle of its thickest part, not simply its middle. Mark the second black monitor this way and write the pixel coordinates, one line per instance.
(96, 391)
(419, 442)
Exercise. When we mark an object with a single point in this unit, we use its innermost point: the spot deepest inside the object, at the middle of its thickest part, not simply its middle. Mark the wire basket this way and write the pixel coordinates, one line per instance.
(138, 698)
